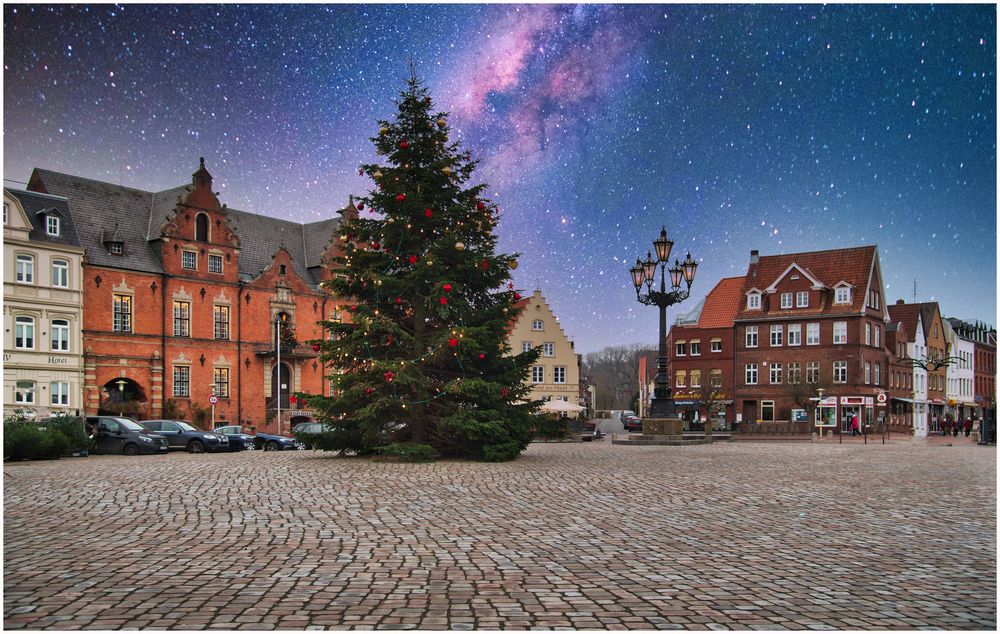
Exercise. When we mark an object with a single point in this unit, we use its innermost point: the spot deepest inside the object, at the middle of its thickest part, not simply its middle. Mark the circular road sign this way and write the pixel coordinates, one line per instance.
(213, 399)
(881, 398)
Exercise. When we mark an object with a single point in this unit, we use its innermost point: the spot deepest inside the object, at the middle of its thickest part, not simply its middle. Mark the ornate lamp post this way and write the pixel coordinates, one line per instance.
(662, 405)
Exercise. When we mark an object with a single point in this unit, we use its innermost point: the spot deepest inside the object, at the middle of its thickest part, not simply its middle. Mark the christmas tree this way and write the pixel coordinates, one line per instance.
(424, 358)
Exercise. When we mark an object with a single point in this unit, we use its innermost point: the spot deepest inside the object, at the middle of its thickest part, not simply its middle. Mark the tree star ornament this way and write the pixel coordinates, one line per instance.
(505, 392)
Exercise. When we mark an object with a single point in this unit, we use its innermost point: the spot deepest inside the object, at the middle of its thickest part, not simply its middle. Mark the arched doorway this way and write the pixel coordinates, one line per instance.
(286, 384)
(123, 397)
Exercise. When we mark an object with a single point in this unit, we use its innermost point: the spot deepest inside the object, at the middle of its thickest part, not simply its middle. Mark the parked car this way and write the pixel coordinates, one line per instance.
(631, 422)
(184, 435)
(118, 435)
(238, 440)
(274, 442)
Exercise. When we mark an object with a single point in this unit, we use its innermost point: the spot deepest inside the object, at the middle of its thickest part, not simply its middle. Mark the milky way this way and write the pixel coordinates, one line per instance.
(777, 128)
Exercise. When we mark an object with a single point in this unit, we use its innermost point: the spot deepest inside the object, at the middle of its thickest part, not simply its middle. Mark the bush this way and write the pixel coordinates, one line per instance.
(408, 452)
(336, 439)
(25, 441)
(551, 426)
(73, 428)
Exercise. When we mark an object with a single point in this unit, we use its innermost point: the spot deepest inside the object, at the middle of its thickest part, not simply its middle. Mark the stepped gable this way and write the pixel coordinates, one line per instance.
(37, 206)
(722, 303)
(852, 265)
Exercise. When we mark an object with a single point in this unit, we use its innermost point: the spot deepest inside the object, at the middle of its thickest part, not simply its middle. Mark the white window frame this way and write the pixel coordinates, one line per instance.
(842, 295)
(812, 370)
(802, 299)
(753, 301)
(715, 345)
(25, 268)
(59, 393)
(63, 329)
(538, 374)
(878, 336)
(795, 334)
(868, 372)
(216, 323)
(786, 300)
(221, 388)
(877, 373)
(215, 258)
(868, 334)
(548, 349)
(751, 336)
(52, 225)
(127, 322)
(24, 330)
(680, 348)
(812, 329)
(181, 311)
(694, 348)
(839, 338)
(775, 374)
(526, 346)
(750, 372)
(559, 374)
(194, 260)
(60, 273)
(768, 405)
(777, 335)
(24, 392)
(840, 368)
(794, 372)
(538, 325)
(116, 248)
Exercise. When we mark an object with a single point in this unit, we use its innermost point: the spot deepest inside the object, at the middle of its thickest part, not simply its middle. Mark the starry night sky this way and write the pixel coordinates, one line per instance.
(777, 128)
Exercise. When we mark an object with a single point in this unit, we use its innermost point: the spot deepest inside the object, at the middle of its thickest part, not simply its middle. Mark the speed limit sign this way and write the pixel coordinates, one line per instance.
(213, 399)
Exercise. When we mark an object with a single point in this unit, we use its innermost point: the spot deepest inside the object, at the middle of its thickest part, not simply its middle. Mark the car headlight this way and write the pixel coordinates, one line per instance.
(210, 437)
(145, 439)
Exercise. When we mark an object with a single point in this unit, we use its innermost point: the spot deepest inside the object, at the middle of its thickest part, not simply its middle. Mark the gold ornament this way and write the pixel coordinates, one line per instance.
(383, 131)
(377, 175)
(512, 264)
(446, 171)
(442, 123)
(460, 246)
(343, 238)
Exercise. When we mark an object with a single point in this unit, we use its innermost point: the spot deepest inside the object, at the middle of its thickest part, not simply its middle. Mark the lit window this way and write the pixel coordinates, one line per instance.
(60, 273)
(182, 380)
(220, 317)
(681, 378)
(182, 319)
(122, 313)
(25, 269)
(52, 225)
(222, 382)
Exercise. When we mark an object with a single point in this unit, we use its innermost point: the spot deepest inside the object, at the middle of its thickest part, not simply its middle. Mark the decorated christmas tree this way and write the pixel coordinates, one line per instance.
(423, 359)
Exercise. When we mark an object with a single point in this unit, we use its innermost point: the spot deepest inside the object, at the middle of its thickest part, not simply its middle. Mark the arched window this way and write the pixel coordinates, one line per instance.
(201, 228)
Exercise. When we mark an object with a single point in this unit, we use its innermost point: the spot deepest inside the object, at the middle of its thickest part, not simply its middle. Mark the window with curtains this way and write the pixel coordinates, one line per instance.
(220, 318)
(182, 319)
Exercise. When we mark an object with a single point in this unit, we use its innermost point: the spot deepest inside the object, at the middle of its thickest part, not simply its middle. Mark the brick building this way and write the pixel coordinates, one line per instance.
(181, 296)
(702, 356)
(807, 321)
(900, 380)
(984, 354)
(933, 348)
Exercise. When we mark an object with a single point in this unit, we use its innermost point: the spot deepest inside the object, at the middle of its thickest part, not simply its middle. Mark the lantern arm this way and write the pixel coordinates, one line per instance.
(656, 298)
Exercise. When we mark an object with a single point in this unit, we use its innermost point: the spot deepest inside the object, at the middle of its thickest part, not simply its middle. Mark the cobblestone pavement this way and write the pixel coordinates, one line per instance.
(585, 536)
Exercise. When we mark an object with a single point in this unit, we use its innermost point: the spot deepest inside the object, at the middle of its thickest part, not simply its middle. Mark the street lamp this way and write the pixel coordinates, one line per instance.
(277, 346)
(662, 406)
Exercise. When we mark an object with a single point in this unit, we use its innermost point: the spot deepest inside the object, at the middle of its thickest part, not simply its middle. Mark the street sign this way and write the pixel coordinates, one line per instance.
(881, 398)
(213, 399)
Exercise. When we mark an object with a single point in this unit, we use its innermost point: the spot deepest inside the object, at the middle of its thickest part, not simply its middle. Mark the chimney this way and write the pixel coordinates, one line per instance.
(899, 302)
(754, 256)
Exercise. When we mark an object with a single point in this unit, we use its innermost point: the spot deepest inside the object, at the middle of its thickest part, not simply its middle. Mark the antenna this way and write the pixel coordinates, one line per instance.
(914, 290)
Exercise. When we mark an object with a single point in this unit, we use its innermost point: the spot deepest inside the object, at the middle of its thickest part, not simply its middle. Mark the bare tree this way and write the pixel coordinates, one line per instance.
(615, 373)
(807, 395)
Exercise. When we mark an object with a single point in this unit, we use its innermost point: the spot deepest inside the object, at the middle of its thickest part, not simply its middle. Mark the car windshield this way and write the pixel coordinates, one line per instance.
(186, 426)
(129, 425)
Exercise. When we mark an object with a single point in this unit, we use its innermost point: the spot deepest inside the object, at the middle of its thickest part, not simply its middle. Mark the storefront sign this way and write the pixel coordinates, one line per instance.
(829, 401)
(58, 360)
(852, 400)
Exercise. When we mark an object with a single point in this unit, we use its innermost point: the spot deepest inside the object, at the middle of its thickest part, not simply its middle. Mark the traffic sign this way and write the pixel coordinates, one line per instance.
(881, 398)
(213, 399)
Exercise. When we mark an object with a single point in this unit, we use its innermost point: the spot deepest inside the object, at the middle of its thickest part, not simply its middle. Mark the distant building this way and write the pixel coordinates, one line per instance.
(958, 374)
(911, 331)
(984, 369)
(929, 353)
(43, 306)
(556, 374)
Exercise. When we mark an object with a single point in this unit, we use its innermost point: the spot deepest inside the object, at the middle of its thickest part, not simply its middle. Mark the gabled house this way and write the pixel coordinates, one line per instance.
(929, 354)
(556, 373)
(811, 325)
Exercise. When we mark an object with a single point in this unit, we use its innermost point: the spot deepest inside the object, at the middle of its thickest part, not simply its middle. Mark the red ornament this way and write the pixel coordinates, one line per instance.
(292, 398)
(389, 342)
(447, 288)
(482, 355)
(486, 265)
(361, 172)
(400, 198)
(403, 145)
(399, 300)
(369, 391)
(315, 347)
(517, 296)
(413, 259)
(428, 212)
(389, 376)
(376, 246)
(505, 392)
(453, 342)
(361, 206)
(354, 309)
(444, 301)
(481, 206)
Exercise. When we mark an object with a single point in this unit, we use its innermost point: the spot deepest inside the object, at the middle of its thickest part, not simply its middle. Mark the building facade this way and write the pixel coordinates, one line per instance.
(983, 339)
(701, 349)
(556, 374)
(182, 300)
(900, 402)
(811, 326)
(959, 375)
(43, 306)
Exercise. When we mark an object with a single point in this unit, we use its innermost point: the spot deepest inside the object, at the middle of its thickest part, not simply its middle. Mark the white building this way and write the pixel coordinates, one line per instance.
(43, 306)
(918, 350)
(960, 374)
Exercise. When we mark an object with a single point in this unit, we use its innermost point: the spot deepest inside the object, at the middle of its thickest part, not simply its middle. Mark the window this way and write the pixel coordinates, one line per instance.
(786, 300)
(60, 335)
(795, 334)
(680, 348)
(25, 269)
(695, 378)
(751, 337)
(777, 332)
(549, 349)
(750, 374)
(201, 228)
(24, 333)
(52, 225)
(696, 348)
(840, 332)
(537, 325)
(840, 371)
(5, 211)
(715, 379)
(767, 411)
(794, 372)
(222, 382)
(681, 377)
(525, 346)
(182, 380)
(874, 301)
(878, 336)
(877, 377)
(24, 392)
(775, 373)
(812, 334)
(115, 247)
(842, 295)
(215, 264)
(560, 374)
(282, 269)
(716, 345)
(812, 372)
(59, 393)
(122, 318)
(868, 372)
(753, 301)
(60, 273)
(868, 334)
(537, 373)
(182, 319)
(189, 260)
(802, 299)
(220, 317)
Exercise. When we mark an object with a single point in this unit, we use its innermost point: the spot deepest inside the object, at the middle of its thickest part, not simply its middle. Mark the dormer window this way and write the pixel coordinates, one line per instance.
(52, 225)
(842, 295)
(115, 248)
(753, 301)
(786, 300)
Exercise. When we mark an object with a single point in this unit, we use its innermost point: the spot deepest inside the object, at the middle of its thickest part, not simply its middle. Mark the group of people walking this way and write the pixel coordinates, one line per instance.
(951, 426)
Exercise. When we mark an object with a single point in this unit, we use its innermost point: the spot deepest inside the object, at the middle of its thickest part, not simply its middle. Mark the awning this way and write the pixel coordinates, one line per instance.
(905, 400)
(561, 406)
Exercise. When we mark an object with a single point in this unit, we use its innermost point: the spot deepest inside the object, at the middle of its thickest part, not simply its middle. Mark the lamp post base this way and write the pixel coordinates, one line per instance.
(663, 427)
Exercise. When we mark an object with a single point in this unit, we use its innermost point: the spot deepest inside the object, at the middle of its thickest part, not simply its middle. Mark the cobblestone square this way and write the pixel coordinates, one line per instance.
(742, 536)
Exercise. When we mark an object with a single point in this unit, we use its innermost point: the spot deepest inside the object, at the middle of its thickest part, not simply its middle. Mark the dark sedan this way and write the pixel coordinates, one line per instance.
(238, 439)
(274, 442)
(118, 435)
(183, 435)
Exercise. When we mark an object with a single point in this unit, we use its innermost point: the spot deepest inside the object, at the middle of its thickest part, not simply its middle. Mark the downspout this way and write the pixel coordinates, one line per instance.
(239, 352)
(163, 342)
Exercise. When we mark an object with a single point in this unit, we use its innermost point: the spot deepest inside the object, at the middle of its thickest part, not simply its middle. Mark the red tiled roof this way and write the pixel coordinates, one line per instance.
(722, 304)
(907, 314)
(851, 265)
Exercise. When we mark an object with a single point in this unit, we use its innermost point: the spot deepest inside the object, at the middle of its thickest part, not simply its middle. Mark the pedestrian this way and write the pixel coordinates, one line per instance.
(956, 426)
(944, 426)
(854, 426)
(968, 426)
